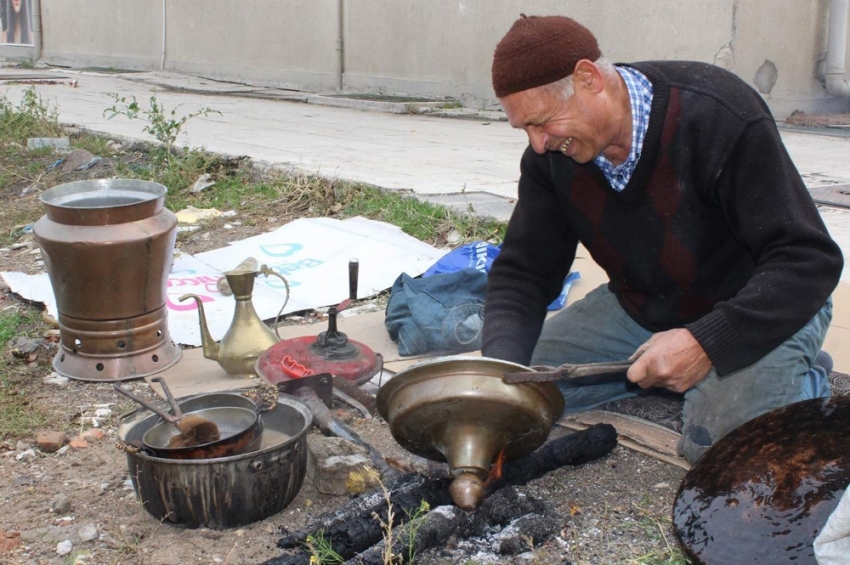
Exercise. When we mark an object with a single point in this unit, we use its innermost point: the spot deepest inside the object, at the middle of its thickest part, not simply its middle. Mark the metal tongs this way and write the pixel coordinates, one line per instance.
(545, 373)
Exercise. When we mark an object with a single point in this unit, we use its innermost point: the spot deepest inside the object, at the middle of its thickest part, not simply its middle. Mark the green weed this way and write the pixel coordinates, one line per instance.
(163, 124)
(32, 117)
(413, 519)
(321, 552)
(94, 144)
(18, 417)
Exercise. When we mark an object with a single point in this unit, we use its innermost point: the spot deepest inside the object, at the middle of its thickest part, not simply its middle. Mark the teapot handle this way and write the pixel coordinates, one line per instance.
(268, 271)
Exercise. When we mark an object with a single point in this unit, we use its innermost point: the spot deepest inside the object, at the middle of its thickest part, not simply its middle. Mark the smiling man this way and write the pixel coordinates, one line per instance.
(674, 177)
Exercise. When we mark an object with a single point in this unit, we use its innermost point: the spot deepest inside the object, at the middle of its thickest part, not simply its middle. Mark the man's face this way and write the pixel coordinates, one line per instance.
(553, 123)
(16, 5)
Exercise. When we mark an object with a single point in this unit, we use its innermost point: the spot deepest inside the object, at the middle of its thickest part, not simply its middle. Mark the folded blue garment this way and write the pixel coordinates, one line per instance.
(440, 312)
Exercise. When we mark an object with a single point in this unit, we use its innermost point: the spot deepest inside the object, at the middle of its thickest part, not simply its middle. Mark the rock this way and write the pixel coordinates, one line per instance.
(63, 450)
(76, 158)
(23, 481)
(72, 131)
(64, 547)
(9, 541)
(339, 467)
(93, 434)
(56, 379)
(51, 142)
(60, 504)
(50, 441)
(88, 532)
(22, 347)
(50, 534)
(25, 455)
(22, 445)
(79, 442)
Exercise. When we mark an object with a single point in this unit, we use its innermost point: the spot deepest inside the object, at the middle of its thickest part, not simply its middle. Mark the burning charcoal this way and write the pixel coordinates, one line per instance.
(353, 527)
(499, 509)
(514, 539)
(431, 530)
(354, 532)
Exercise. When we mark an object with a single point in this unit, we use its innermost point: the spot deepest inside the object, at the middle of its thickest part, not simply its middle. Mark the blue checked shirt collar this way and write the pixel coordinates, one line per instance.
(640, 98)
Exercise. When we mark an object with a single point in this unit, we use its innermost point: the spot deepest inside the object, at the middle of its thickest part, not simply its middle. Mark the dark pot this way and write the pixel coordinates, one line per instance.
(229, 491)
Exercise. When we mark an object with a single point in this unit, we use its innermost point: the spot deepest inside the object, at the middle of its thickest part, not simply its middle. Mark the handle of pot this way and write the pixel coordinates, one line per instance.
(161, 413)
(566, 371)
(175, 408)
(264, 397)
(268, 271)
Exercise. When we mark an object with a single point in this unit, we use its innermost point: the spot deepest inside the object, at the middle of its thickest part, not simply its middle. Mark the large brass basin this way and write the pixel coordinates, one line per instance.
(457, 409)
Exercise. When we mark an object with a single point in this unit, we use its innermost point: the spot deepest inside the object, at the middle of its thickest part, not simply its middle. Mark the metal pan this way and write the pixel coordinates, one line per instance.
(239, 428)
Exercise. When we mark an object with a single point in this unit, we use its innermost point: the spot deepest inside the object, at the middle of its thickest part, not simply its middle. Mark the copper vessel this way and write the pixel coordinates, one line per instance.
(108, 247)
(248, 337)
(457, 409)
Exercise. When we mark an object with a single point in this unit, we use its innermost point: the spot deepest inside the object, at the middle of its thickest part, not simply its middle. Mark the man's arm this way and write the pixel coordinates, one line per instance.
(528, 274)
(797, 267)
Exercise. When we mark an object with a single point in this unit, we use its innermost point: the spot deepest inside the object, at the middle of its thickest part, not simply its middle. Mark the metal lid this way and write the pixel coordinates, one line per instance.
(103, 202)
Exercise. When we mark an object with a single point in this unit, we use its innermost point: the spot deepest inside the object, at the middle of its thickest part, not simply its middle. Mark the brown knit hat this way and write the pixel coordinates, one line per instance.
(540, 50)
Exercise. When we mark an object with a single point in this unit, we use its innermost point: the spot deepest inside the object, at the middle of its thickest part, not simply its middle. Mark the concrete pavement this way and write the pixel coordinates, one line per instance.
(450, 161)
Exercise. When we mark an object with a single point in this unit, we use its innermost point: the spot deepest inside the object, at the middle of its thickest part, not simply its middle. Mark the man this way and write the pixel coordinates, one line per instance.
(674, 177)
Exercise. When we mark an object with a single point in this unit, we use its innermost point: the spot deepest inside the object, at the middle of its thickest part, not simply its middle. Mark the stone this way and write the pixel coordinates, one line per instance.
(77, 158)
(64, 547)
(79, 442)
(9, 541)
(50, 534)
(25, 455)
(338, 467)
(22, 347)
(88, 532)
(22, 445)
(56, 379)
(60, 504)
(93, 434)
(51, 142)
(50, 441)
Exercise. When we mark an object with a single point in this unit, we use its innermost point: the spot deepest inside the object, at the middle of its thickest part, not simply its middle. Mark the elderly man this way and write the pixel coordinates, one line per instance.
(674, 177)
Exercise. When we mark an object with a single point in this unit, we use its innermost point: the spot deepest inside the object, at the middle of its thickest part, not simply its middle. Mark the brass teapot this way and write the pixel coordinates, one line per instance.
(248, 336)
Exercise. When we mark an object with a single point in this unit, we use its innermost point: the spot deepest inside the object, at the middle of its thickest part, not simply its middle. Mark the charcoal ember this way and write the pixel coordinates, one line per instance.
(499, 509)
(355, 532)
(417, 536)
(517, 536)
(354, 527)
(574, 449)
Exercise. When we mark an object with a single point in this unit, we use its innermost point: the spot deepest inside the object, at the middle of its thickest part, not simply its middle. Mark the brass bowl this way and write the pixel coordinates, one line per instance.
(457, 409)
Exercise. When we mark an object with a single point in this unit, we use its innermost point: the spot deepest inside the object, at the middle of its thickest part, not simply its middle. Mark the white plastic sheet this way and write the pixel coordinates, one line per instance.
(312, 254)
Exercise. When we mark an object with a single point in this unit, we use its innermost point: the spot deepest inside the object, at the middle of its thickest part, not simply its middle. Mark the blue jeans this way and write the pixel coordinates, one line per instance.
(596, 329)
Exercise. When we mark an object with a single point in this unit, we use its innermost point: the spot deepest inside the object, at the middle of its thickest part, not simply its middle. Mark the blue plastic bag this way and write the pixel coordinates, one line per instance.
(479, 255)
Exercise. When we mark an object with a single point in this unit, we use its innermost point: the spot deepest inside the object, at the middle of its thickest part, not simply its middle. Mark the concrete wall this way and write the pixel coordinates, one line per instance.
(436, 47)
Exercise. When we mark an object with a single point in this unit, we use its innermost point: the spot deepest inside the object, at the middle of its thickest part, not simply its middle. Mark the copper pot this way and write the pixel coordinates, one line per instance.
(108, 247)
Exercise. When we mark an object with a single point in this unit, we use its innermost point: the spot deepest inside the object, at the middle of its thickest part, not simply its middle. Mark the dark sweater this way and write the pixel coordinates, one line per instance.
(715, 231)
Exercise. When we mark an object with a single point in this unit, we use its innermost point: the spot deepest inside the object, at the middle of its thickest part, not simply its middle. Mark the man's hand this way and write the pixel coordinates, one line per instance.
(672, 359)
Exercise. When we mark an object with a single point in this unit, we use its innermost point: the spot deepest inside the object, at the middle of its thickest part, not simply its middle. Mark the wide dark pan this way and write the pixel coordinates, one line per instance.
(238, 426)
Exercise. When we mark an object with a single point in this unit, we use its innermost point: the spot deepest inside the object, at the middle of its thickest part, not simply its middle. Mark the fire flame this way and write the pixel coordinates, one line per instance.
(496, 468)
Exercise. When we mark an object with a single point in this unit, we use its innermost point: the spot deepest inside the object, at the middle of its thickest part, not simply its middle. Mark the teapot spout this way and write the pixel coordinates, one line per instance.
(211, 348)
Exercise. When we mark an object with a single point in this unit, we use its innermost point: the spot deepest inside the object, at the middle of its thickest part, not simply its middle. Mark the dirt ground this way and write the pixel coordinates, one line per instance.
(614, 510)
